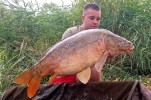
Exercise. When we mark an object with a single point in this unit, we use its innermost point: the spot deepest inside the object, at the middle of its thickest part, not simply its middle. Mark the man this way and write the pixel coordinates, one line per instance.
(90, 20)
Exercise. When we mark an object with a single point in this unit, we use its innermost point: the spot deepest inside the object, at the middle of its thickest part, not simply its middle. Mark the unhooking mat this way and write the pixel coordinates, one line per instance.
(130, 90)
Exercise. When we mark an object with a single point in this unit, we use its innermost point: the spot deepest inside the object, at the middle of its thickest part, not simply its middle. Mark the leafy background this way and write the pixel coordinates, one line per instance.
(26, 32)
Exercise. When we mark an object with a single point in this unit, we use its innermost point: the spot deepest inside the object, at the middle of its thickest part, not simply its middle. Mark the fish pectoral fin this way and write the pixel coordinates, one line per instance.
(99, 64)
(33, 85)
(84, 75)
(52, 78)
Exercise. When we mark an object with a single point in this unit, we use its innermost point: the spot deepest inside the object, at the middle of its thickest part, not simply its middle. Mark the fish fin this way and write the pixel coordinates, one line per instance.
(52, 78)
(84, 75)
(33, 85)
(30, 78)
(24, 78)
(99, 64)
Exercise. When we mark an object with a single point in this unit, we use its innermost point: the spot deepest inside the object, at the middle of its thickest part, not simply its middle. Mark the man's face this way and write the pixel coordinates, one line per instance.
(91, 19)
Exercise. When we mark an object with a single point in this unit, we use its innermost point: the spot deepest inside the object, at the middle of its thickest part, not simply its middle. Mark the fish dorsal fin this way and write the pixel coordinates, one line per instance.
(99, 64)
(84, 75)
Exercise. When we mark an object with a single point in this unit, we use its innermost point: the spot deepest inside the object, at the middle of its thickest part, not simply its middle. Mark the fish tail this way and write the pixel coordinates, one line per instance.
(32, 79)
(33, 85)
(24, 78)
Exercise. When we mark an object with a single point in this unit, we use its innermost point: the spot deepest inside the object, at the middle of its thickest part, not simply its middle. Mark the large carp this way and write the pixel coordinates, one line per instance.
(75, 55)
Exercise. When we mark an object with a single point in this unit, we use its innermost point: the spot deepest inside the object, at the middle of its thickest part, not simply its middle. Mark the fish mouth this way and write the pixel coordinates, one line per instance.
(122, 51)
(130, 49)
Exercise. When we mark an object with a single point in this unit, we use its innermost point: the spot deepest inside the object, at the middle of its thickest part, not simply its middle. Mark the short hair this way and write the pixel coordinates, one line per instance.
(93, 6)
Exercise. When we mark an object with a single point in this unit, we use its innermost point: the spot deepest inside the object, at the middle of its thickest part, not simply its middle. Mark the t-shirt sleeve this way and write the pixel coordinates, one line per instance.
(71, 31)
(67, 34)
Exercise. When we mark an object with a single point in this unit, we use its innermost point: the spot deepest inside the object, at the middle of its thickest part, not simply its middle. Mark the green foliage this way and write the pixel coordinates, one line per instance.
(25, 34)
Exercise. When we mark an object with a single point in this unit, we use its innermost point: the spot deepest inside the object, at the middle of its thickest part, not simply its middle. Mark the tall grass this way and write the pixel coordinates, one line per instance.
(24, 37)
(132, 20)
(26, 34)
